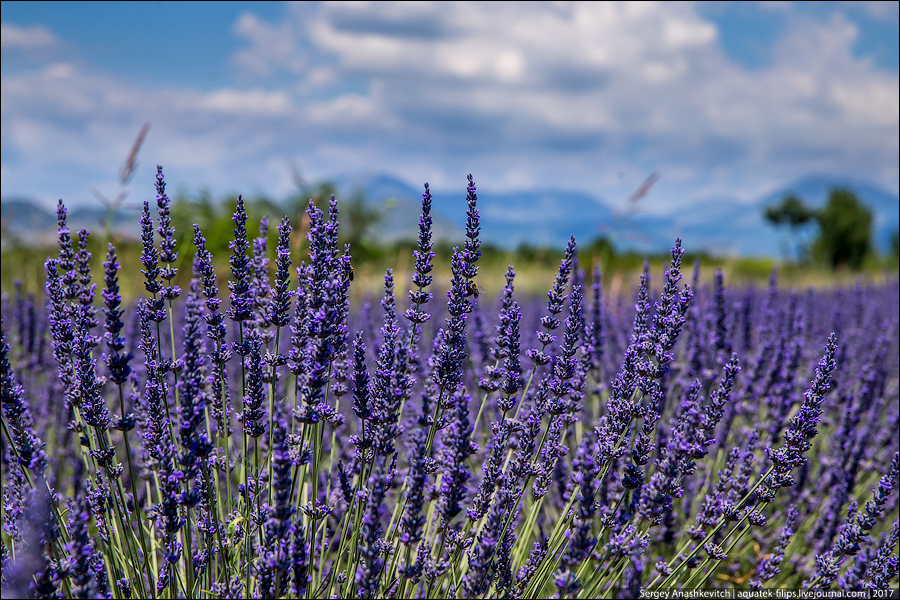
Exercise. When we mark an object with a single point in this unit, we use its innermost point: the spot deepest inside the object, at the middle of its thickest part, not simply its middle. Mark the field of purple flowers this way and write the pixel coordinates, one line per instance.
(272, 441)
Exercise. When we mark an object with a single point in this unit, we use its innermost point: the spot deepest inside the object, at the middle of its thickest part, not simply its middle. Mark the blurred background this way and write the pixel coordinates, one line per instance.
(762, 133)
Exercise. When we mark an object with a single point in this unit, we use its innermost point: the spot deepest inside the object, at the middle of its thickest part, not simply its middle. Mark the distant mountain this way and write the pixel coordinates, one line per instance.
(542, 218)
(25, 214)
(508, 219)
(723, 226)
(26, 220)
(727, 226)
(400, 206)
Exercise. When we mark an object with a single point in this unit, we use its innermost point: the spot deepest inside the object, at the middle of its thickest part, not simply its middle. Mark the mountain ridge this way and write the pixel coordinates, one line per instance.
(541, 217)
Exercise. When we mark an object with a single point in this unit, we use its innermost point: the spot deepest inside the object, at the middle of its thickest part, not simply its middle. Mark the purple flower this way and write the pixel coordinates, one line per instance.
(192, 386)
(422, 276)
(413, 519)
(241, 299)
(499, 351)
(62, 330)
(471, 252)
(512, 368)
(361, 380)
(585, 472)
(564, 369)
(66, 261)
(371, 536)
(320, 314)
(158, 443)
(670, 314)
(27, 447)
(714, 411)
(390, 383)
(299, 568)
(557, 298)
(449, 369)
(492, 469)
(254, 424)
(279, 522)
(86, 297)
(484, 555)
(167, 242)
(260, 290)
(804, 425)
(215, 331)
(884, 567)
(81, 554)
(458, 445)
(90, 398)
(535, 559)
(280, 303)
(151, 271)
(117, 361)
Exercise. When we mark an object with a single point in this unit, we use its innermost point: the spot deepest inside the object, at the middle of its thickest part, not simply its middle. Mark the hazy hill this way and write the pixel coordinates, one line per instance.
(537, 217)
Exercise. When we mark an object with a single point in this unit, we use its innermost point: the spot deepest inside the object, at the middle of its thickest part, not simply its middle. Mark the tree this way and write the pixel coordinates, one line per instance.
(360, 218)
(791, 212)
(845, 225)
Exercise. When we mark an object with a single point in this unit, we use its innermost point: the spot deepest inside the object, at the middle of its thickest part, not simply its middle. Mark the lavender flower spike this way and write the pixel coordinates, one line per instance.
(422, 277)
(448, 371)
(241, 299)
(151, 271)
(166, 233)
(471, 251)
(280, 304)
(28, 448)
(804, 425)
(254, 423)
(117, 361)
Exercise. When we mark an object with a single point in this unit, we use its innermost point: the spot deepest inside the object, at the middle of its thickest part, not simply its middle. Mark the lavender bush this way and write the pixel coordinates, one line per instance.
(282, 443)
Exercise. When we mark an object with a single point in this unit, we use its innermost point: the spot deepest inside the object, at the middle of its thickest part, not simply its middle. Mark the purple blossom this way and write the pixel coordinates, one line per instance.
(167, 253)
(279, 305)
(254, 424)
(151, 271)
(804, 425)
(241, 299)
(117, 361)
(423, 255)
(27, 447)
(626, 433)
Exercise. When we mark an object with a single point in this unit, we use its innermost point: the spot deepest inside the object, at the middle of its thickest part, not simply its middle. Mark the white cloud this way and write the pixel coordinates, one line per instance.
(66, 131)
(13, 37)
(272, 47)
(554, 94)
(247, 102)
(599, 78)
(877, 9)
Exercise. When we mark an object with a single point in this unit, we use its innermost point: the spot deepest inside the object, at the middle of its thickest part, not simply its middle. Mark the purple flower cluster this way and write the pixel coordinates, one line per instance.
(693, 436)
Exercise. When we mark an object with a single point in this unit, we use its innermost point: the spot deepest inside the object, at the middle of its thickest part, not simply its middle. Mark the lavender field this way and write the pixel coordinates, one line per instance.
(259, 435)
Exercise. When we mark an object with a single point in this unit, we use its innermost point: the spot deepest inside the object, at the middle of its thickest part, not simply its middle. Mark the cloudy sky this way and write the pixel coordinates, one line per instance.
(723, 100)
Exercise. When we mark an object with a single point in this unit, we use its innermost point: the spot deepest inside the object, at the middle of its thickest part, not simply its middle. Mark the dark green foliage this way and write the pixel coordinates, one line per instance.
(845, 227)
(359, 218)
(791, 211)
(845, 224)
(215, 218)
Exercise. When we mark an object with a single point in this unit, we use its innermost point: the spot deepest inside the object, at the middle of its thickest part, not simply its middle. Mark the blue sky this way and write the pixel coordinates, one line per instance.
(723, 100)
